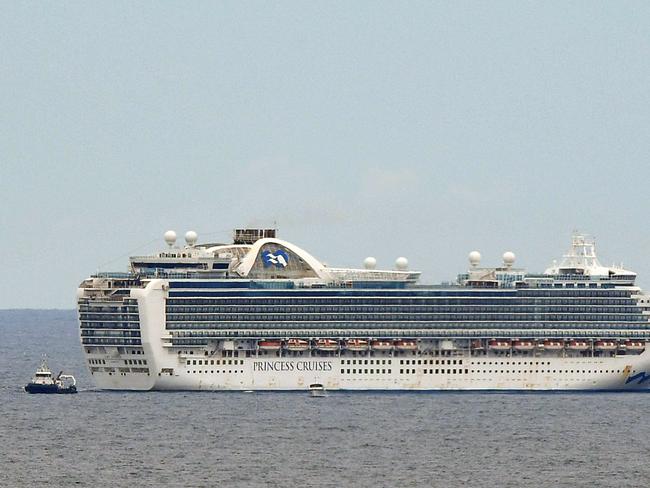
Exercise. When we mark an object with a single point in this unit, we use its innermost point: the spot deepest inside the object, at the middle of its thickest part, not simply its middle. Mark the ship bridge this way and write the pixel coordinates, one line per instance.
(580, 263)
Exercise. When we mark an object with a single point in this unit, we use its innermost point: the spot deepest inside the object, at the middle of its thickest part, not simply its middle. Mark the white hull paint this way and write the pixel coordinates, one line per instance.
(161, 367)
(168, 372)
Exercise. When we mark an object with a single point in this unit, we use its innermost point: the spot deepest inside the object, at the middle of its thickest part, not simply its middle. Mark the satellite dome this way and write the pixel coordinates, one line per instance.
(191, 237)
(508, 258)
(474, 258)
(369, 262)
(170, 237)
(401, 263)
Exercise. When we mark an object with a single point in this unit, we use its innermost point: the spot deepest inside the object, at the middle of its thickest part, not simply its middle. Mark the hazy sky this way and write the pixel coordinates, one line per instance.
(423, 129)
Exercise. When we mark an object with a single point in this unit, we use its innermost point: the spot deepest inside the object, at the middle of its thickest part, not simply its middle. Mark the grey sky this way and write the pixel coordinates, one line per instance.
(363, 128)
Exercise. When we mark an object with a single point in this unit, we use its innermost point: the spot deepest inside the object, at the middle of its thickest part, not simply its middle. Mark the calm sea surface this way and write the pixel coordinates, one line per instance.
(100, 438)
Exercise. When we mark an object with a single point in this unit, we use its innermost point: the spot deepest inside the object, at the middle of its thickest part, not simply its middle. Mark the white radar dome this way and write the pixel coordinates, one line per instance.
(401, 263)
(191, 237)
(474, 258)
(369, 263)
(170, 237)
(509, 258)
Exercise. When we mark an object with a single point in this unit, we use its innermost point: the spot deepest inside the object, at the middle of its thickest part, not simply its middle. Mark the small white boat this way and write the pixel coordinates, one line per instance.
(634, 345)
(269, 345)
(499, 345)
(382, 345)
(317, 390)
(578, 345)
(356, 344)
(406, 345)
(327, 344)
(523, 345)
(553, 345)
(297, 345)
(606, 345)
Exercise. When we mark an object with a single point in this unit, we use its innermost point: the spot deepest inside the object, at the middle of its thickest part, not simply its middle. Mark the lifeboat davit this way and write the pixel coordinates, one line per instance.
(406, 345)
(297, 345)
(269, 345)
(499, 344)
(327, 344)
(553, 345)
(523, 345)
(578, 345)
(634, 345)
(380, 345)
(356, 344)
(606, 345)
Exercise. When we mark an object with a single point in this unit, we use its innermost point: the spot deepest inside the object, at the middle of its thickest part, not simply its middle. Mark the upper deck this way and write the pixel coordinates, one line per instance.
(258, 259)
(272, 288)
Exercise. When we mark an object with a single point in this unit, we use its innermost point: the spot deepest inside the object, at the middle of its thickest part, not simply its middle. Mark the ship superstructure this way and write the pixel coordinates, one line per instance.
(263, 314)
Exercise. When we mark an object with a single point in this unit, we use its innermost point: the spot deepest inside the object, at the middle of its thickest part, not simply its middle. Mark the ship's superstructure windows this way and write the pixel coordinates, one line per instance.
(109, 322)
(530, 311)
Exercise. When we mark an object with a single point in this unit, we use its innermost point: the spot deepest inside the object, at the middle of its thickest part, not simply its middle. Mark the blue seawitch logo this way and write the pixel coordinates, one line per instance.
(279, 258)
(642, 377)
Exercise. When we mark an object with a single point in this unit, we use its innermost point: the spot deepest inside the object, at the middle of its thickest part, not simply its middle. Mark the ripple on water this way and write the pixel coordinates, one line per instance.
(361, 440)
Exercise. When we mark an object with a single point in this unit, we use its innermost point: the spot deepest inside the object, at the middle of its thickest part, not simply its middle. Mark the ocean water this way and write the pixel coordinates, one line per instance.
(216, 439)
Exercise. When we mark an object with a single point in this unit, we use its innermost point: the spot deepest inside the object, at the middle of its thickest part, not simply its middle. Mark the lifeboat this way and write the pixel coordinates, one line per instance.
(606, 345)
(356, 344)
(269, 345)
(499, 344)
(406, 345)
(476, 345)
(327, 344)
(553, 345)
(297, 345)
(634, 345)
(380, 345)
(578, 345)
(523, 345)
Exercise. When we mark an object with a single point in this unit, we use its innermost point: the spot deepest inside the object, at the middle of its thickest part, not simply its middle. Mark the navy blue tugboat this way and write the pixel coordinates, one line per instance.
(43, 382)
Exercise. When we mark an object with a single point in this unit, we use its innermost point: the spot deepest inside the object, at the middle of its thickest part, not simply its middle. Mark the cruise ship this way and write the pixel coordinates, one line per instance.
(264, 314)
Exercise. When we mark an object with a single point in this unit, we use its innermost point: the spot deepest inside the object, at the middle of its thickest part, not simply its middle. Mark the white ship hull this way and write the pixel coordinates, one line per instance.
(616, 373)
(158, 366)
